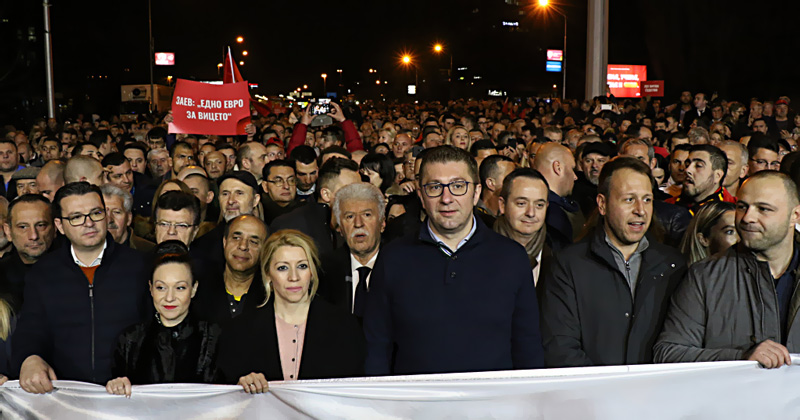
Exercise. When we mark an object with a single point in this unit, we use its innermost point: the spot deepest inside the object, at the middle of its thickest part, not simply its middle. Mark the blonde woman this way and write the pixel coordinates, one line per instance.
(6, 324)
(293, 334)
(458, 136)
(712, 230)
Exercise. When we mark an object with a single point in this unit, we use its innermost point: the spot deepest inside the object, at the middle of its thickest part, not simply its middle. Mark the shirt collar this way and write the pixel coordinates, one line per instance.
(94, 263)
(643, 244)
(441, 243)
(354, 264)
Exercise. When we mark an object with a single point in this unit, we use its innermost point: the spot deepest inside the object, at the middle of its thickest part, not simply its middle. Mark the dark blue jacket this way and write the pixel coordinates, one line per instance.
(473, 311)
(74, 327)
(559, 227)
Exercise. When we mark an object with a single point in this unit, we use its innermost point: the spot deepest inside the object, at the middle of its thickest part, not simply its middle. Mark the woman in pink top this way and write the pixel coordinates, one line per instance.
(293, 334)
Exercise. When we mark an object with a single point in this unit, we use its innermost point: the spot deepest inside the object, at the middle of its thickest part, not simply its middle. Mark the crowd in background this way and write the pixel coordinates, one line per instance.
(399, 238)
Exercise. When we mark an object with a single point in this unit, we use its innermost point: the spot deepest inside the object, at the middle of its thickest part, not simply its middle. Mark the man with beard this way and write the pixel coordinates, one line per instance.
(119, 204)
(706, 168)
(604, 299)
(238, 288)
(182, 156)
(712, 315)
(30, 228)
(591, 162)
(359, 213)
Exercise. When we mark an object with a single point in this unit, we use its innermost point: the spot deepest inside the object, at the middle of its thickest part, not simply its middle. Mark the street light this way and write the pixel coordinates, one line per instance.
(241, 63)
(324, 83)
(305, 86)
(438, 48)
(406, 61)
(244, 53)
(239, 39)
(546, 4)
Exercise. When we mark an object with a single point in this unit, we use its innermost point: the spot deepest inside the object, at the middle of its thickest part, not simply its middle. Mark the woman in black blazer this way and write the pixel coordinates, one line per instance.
(292, 335)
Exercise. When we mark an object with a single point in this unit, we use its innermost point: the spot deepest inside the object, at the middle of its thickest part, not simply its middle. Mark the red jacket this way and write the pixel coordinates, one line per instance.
(351, 138)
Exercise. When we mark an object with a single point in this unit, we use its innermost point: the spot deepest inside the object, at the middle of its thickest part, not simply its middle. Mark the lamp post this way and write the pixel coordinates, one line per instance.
(438, 49)
(324, 84)
(406, 60)
(152, 54)
(546, 3)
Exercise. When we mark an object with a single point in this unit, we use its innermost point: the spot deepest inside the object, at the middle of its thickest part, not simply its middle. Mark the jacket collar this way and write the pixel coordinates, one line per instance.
(601, 249)
(481, 230)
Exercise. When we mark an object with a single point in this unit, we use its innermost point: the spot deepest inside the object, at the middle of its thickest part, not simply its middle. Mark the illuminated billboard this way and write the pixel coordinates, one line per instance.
(625, 80)
(165, 59)
(555, 55)
(553, 66)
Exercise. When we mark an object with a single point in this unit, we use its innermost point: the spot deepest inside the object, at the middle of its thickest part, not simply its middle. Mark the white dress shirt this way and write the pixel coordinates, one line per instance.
(354, 266)
(94, 263)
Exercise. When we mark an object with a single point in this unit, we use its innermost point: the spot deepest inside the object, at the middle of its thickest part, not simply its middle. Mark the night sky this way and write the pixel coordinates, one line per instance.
(740, 49)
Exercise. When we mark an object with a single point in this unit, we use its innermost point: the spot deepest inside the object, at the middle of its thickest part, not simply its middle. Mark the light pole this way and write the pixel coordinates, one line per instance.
(48, 55)
(152, 54)
(438, 48)
(546, 3)
(406, 60)
(324, 84)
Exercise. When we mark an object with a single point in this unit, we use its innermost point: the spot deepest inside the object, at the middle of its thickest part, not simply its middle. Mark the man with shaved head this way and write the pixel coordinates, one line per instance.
(84, 168)
(713, 315)
(564, 218)
(214, 164)
(51, 178)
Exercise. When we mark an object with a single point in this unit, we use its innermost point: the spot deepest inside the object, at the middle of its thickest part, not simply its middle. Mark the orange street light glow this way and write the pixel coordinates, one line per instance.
(437, 48)
(544, 3)
(240, 39)
(244, 53)
(406, 59)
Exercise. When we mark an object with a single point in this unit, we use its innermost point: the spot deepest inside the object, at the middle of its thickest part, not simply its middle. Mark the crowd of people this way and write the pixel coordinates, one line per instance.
(393, 239)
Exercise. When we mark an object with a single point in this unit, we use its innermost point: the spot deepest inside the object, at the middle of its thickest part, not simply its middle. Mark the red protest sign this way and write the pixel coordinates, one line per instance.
(653, 88)
(203, 108)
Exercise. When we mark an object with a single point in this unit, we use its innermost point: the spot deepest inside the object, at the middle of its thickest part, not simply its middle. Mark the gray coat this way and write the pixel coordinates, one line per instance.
(725, 306)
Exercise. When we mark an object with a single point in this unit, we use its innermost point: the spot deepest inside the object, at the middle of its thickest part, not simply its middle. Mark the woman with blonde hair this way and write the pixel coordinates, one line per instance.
(458, 136)
(293, 334)
(712, 230)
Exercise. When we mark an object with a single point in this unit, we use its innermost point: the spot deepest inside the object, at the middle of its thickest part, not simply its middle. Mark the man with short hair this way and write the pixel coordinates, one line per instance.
(135, 153)
(677, 169)
(230, 155)
(764, 154)
(359, 213)
(205, 149)
(181, 156)
(738, 158)
(432, 139)
(195, 178)
(314, 218)
(101, 290)
(278, 191)
(51, 178)
(402, 143)
(214, 164)
(9, 163)
(449, 256)
(760, 126)
(103, 141)
(119, 206)
(553, 134)
(84, 168)
(493, 170)
(157, 138)
(159, 163)
(615, 286)
(87, 149)
(177, 217)
(564, 218)
(50, 149)
(238, 287)
(482, 149)
(737, 305)
(252, 157)
(706, 168)
(639, 149)
(29, 227)
(307, 170)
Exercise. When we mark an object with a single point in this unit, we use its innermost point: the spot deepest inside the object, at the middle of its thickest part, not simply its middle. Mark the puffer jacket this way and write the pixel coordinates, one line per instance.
(725, 306)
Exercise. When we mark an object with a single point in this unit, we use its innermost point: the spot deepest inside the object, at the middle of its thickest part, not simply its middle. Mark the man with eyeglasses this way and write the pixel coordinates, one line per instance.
(425, 289)
(78, 298)
(279, 190)
(764, 154)
(177, 217)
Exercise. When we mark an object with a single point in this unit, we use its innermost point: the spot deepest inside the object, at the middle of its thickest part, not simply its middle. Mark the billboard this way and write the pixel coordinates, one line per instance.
(555, 55)
(625, 80)
(654, 88)
(165, 59)
(553, 66)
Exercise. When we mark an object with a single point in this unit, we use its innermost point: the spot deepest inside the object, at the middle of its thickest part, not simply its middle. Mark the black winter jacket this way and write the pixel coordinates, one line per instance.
(589, 317)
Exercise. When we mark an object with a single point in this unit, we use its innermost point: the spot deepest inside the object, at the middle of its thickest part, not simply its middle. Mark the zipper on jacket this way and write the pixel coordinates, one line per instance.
(91, 306)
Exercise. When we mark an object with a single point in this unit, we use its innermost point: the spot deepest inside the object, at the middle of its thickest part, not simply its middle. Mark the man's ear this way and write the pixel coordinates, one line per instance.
(601, 204)
(7, 231)
(59, 226)
(557, 168)
(209, 197)
(325, 195)
(501, 202)
(491, 184)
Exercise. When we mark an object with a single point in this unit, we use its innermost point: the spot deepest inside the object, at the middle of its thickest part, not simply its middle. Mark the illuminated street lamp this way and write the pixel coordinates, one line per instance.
(438, 48)
(305, 86)
(324, 77)
(406, 61)
(244, 53)
(239, 39)
(241, 63)
(546, 4)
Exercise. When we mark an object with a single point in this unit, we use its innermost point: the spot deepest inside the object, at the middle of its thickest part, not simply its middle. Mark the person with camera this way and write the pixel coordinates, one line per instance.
(346, 135)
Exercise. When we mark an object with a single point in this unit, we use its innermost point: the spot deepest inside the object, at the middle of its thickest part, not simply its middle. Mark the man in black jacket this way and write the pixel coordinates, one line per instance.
(604, 299)
(30, 228)
(78, 298)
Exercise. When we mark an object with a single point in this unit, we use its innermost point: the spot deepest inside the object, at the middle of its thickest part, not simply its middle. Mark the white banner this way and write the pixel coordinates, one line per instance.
(720, 390)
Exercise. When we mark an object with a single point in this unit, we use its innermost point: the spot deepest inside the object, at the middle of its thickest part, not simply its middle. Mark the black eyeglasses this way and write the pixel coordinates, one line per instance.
(436, 189)
(80, 219)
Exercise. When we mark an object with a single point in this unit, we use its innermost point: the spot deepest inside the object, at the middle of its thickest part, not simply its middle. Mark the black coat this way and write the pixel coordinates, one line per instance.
(143, 191)
(211, 303)
(207, 251)
(72, 326)
(12, 279)
(150, 353)
(333, 348)
(335, 283)
(313, 219)
(588, 315)
(674, 219)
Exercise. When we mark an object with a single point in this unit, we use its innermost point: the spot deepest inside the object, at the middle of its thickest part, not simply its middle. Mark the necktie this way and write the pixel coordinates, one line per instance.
(360, 300)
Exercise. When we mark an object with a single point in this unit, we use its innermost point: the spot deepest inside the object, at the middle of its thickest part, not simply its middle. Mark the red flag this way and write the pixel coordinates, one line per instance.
(231, 70)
